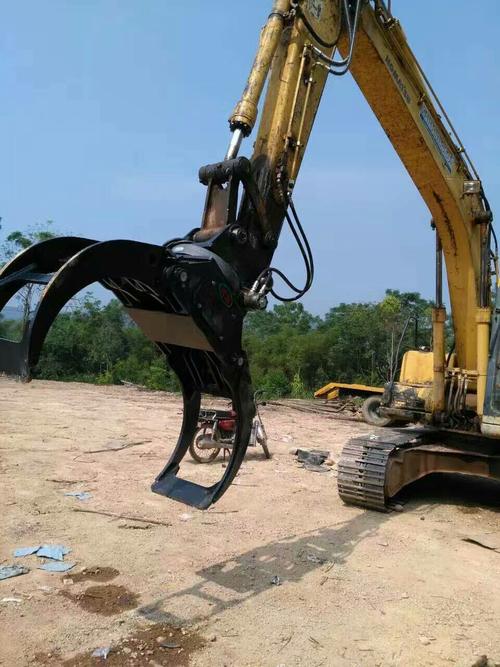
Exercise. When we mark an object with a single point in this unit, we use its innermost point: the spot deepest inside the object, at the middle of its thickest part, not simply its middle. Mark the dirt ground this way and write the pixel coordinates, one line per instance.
(175, 586)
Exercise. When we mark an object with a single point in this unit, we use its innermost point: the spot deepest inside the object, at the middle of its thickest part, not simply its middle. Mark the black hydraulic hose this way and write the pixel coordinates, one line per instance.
(307, 256)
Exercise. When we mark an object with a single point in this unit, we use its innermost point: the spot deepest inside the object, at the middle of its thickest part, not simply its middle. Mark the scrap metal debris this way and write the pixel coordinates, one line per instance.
(26, 551)
(313, 459)
(53, 551)
(8, 571)
(276, 581)
(79, 495)
(56, 566)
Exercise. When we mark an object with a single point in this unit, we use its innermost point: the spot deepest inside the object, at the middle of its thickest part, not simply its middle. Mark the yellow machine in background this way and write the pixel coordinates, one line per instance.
(344, 395)
(190, 295)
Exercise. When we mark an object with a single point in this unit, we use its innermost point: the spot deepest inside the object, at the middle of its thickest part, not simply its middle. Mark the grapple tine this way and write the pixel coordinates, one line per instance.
(169, 484)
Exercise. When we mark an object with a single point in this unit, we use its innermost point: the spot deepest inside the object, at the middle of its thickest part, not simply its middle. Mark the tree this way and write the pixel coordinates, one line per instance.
(14, 243)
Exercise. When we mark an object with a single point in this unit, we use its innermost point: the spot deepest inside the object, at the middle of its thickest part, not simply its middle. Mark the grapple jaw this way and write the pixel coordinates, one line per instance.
(184, 297)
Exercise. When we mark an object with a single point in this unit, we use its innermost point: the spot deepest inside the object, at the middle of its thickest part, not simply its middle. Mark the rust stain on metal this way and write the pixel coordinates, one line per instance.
(449, 226)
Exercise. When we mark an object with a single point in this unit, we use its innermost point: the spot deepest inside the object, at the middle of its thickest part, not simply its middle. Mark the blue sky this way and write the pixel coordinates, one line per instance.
(110, 107)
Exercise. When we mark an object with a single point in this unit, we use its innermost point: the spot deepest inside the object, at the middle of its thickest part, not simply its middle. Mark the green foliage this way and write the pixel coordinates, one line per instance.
(298, 389)
(96, 343)
(14, 243)
(293, 353)
(17, 240)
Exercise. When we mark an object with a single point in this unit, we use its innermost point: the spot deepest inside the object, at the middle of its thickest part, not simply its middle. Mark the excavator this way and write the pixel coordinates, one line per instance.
(191, 294)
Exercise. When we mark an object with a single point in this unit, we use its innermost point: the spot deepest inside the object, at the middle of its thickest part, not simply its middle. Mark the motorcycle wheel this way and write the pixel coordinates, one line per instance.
(202, 455)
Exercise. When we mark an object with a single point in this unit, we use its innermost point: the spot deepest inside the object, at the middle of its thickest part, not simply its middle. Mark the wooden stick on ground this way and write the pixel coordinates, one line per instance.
(117, 449)
(121, 516)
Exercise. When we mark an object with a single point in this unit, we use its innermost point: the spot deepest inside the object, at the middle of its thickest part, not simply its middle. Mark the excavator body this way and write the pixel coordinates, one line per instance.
(190, 295)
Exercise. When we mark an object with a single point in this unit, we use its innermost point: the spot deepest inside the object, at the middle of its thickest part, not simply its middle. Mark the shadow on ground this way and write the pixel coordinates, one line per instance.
(470, 494)
(231, 582)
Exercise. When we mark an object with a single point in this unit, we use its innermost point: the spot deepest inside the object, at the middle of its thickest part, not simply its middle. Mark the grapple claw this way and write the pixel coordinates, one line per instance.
(183, 296)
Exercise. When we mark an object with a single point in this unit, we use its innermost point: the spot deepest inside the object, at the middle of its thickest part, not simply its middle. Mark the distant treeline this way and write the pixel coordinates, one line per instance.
(291, 351)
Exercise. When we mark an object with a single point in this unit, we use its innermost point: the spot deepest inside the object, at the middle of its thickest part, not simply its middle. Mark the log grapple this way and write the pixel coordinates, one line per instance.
(188, 296)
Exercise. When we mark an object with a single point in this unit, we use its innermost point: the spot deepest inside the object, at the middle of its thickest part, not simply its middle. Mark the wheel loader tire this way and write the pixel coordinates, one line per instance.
(371, 415)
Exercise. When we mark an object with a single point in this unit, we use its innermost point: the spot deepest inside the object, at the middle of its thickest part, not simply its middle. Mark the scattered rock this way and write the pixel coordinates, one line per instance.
(424, 640)
(213, 638)
(313, 558)
(135, 526)
(95, 573)
(484, 661)
(45, 589)
(276, 581)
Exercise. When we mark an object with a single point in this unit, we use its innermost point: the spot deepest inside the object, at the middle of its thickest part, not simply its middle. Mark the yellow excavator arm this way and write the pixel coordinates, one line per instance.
(301, 44)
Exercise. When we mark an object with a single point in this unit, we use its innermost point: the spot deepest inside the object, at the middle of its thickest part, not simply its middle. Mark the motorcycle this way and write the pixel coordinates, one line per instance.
(217, 429)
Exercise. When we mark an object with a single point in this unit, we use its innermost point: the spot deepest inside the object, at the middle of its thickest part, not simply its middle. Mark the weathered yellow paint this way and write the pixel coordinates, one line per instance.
(294, 92)
(438, 353)
(333, 387)
(417, 368)
(245, 112)
(388, 76)
(483, 318)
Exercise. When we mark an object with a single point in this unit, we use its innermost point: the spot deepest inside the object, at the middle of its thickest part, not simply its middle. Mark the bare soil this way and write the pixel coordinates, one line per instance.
(355, 587)
(106, 600)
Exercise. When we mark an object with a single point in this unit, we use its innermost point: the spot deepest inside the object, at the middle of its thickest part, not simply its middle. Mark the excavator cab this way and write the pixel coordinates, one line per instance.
(184, 295)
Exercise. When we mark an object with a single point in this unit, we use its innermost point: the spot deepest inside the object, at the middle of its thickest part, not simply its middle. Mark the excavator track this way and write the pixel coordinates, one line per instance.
(363, 468)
